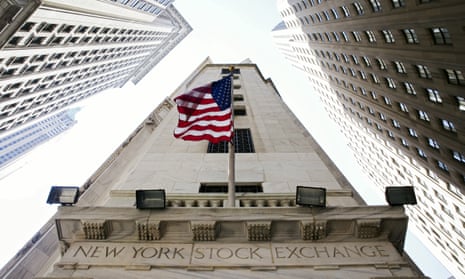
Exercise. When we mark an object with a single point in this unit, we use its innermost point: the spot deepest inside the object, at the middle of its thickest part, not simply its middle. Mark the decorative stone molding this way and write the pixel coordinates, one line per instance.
(96, 229)
(63, 247)
(149, 230)
(368, 228)
(203, 230)
(310, 230)
(259, 231)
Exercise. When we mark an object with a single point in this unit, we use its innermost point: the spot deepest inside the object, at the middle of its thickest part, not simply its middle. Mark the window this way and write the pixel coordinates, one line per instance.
(442, 166)
(409, 89)
(375, 78)
(375, 5)
(458, 156)
(381, 63)
(412, 133)
(362, 75)
(396, 123)
(359, 8)
(355, 59)
(345, 11)
(448, 125)
(398, 3)
(240, 111)
(352, 72)
(382, 116)
(423, 71)
(367, 61)
(223, 188)
(335, 14)
(403, 107)
(421, 153)
(226, 71)
(433, 143)
(344, 35)
(371, 36)
(441, 36)
(346, 58)
(410, 36)
(390, 83)
(387, 100)
(455, 77)
(433, 95)
(357, 36)
(460, 102)
(390, 134)
(404, 142)
(238, 97)
(242, 143)
(388, 36)
(400, 67)
(423, 115)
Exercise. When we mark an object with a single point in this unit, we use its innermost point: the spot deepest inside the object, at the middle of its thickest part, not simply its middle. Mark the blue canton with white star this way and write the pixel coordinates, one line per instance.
(221, 91)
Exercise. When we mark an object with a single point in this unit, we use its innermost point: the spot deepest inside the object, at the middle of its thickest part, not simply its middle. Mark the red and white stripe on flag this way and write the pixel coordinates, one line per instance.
(205, 113)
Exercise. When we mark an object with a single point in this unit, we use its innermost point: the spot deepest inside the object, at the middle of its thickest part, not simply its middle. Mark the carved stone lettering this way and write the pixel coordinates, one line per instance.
(231, 254)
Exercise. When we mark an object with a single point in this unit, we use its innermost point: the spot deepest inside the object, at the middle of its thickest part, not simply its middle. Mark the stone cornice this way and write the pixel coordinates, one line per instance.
(233, 224)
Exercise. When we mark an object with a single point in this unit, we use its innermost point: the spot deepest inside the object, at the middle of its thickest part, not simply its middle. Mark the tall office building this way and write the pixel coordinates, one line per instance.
(16, 144)
(56, 52)
(190, 232)
(390, 73)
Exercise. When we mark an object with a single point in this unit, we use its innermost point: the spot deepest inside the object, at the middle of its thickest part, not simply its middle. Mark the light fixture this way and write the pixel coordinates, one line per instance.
(310, 196)
(64, 195)
(150, 199)
(400, 195)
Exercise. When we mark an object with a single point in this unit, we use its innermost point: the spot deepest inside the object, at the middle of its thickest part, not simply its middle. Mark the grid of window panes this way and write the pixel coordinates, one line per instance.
(18, 143)
(75, 61)
(423, 91)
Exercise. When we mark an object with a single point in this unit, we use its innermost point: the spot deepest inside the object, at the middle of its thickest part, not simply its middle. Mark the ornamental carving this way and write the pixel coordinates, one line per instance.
(203, 230)
(368, 228)
(259, 231)
(149, 230)
(96, 229)
(310, 230)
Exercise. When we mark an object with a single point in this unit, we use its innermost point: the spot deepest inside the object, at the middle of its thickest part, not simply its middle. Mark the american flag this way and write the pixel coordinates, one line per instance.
(205, 112)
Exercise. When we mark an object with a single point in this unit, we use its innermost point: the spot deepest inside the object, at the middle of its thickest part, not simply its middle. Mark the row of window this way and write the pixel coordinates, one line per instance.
(10, 155)
(61, 100)
(20, 65)
(44, 33)
(432, 94)
(14, 89)
(38, 41)
(439, 35)
(346, 11)
(144, 5)
(453, 76)
(456, 155)
(45, 97)
(45, 27)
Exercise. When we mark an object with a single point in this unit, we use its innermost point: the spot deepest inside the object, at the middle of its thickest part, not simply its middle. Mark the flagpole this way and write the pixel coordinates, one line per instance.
(232, 170)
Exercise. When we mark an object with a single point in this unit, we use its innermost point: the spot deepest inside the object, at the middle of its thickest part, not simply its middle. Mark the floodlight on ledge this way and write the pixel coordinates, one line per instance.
(310, 196)
(64, 195)
(400, 195)
(150, 199)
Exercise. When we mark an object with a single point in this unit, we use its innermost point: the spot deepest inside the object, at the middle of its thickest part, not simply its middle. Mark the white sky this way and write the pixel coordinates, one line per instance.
(227, 31)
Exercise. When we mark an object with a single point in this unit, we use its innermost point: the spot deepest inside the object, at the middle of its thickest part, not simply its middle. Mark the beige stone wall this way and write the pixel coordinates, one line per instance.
(286, 155)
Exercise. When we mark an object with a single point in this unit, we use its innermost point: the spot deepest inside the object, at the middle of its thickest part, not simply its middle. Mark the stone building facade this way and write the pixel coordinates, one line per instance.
(265, 235)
